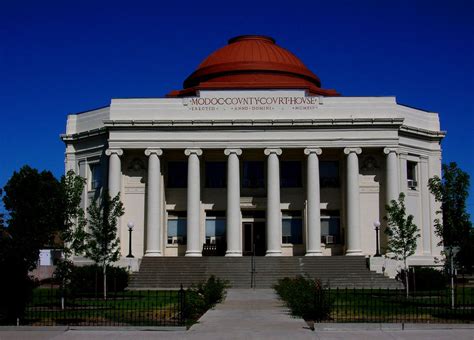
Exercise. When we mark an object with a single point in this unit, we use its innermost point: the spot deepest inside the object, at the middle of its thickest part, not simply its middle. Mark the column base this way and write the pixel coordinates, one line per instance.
(233, 253)
(273, 253)
(314, 253)
(193, 253)
(153, 253)
(354, 252)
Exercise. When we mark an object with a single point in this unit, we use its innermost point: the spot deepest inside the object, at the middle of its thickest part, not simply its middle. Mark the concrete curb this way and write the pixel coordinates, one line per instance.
(129, 329)
(34, 328)
(387, 326)
(94, 328)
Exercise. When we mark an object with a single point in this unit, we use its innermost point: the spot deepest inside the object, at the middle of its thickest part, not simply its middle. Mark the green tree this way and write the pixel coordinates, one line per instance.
(2, 215)
(402, 233)
(34, 204)
(102, 242)
(73, 234)
(454, 227)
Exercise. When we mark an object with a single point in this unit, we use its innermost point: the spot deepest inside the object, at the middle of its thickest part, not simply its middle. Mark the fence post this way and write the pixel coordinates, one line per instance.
(182, 307)
(452, 282)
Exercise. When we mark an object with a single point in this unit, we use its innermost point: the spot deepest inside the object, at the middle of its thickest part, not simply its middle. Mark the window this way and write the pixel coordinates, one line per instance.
(412, 182)
(290, 174)
(177, 228)
(96, 176)
(215, 227)
(292, 227)
(216, 174)
(177, 174)
(330, 227)
(253, 174)
(329, 174)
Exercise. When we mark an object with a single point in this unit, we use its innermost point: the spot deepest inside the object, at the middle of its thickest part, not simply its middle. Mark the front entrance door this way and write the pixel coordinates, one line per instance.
(254, 235)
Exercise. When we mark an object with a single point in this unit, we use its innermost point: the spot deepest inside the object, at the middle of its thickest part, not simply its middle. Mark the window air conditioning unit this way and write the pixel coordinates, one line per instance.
(412, 184)
(328, 239)
(177, 239)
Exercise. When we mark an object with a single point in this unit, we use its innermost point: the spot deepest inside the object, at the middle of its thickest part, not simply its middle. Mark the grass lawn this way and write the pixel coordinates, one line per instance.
(134, 308)
(361, 305)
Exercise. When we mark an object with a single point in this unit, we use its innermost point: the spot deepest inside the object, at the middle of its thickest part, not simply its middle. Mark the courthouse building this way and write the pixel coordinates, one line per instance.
(254, 155)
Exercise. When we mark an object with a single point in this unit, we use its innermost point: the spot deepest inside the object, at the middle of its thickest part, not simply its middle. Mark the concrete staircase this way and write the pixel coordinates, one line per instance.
(335, 271)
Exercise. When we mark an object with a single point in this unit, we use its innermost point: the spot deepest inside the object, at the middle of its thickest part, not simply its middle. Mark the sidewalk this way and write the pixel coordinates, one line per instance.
(252, 314)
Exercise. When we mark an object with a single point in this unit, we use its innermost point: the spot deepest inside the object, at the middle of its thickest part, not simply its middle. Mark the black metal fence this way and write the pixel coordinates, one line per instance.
(50, 307)
(393, 306)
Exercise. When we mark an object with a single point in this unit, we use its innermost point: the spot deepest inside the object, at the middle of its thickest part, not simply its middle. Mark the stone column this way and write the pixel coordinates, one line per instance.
(233, 225)
(313, 239)
(194, 247)
(391, 175)
(353, 238)
(425, 206)
(115, 171)
(153, 204)
(273, 203)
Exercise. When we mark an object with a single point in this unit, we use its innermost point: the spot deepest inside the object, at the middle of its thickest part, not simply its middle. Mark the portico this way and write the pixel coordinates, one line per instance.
(270, 200)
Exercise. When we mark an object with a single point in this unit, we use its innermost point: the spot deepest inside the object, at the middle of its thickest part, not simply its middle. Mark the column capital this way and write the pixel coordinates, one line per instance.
(111, 151)
(227, 152)
(150, 151)
(193, 151)
(317, 151)
(269, 151)
(357, 151)
(390, 150)
(423, 159)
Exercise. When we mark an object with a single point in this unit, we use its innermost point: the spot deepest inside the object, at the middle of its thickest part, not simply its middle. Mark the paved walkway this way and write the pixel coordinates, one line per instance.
(250, 314)
(254, 314)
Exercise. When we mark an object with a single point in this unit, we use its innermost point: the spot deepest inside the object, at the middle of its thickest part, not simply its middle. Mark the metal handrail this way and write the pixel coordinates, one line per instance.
(252, 269)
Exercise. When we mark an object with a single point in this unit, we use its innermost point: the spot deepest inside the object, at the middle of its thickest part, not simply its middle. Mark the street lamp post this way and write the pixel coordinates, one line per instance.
(377, 228)
(130, 229)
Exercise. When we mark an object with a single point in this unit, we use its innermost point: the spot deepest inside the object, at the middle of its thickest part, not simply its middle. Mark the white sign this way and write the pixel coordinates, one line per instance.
(256, 103)
(45, 257)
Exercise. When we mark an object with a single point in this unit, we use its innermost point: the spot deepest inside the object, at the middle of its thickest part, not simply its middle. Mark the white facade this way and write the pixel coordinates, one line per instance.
(374, 141)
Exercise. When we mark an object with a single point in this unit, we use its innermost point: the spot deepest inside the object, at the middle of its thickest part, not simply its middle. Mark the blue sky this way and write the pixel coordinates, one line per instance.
(60, 57)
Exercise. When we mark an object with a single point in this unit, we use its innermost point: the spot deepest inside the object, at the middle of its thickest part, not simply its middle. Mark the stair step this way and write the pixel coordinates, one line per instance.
(338, 271)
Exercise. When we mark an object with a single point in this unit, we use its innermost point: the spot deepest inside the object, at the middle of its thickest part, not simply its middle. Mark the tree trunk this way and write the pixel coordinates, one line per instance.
(407, 278)
(105, 280)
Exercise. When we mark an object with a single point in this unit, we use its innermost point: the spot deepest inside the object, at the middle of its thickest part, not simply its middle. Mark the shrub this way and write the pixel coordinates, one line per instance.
(203, 296)
(425, 278)
(213, 290)
(305, 298)
(16, 293)
(194, 306)
(429, 279)
(88, 279)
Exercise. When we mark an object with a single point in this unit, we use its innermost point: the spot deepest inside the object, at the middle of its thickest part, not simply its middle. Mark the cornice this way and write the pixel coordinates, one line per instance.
(409, 130)
(81, 135)
(393, 123)
(323, 122)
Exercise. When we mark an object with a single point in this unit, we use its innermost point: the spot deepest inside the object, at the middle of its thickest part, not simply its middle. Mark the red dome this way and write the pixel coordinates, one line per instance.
(252, 62)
